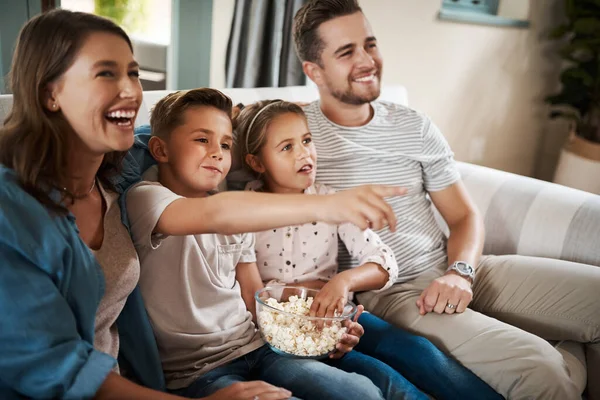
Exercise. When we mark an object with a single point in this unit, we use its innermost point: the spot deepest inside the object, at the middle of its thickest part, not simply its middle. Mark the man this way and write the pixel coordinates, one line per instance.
(475, 316)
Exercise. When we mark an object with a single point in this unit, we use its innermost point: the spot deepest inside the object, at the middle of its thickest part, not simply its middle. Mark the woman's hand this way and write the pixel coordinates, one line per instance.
(250, 391)
(363, 206)
(351, 337)
(332, 296)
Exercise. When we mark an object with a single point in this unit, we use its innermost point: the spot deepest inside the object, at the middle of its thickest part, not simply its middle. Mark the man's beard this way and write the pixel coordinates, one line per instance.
(349, 97)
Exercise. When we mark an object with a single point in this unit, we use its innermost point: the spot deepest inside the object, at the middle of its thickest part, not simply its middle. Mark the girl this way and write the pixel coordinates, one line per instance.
(274, 143)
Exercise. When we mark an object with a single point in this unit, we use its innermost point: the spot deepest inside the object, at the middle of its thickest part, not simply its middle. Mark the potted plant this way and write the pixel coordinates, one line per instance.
(579, 97)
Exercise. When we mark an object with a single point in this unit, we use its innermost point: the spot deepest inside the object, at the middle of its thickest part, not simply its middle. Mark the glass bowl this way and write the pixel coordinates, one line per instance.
(291, 334)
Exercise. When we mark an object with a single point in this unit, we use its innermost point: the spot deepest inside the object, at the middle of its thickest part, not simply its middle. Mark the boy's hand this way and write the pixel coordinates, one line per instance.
(364, 206)
(332, 296)
(249, 391)
(351, 337)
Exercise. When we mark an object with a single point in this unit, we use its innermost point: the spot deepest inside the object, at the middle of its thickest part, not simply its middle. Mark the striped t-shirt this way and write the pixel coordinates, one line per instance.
(397, 147)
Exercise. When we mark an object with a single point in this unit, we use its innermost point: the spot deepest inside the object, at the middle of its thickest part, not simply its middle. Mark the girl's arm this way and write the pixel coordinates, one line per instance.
(237, 212)
(316, 284)
(334, 294)
(378, 270)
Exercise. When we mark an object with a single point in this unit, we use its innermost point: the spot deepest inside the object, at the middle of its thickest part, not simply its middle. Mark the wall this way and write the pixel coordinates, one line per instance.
(221, 25)
(483, 86)
(13, 14)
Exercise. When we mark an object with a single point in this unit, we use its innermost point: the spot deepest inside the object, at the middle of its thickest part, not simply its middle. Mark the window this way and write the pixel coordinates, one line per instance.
(147, 22)
(488, 12)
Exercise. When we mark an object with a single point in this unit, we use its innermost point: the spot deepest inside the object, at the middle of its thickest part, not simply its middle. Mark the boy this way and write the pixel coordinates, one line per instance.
(197, 285)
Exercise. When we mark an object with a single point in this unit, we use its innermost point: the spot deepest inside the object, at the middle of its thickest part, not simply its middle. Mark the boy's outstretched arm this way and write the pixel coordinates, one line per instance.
(238, 212)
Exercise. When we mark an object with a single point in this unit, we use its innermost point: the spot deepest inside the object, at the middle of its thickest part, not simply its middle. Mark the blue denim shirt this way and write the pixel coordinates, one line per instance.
(50, 288)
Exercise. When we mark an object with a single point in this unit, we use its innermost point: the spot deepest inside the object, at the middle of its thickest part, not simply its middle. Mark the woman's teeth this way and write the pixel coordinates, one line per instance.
(121, 114)
(121, 117)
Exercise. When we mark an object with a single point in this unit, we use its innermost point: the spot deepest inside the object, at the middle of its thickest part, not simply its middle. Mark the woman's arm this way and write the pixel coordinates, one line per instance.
(237, 212)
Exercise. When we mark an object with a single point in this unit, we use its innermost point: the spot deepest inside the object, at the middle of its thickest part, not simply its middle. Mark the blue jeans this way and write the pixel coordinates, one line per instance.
(419, 361)
(306, 379)
(391, 383)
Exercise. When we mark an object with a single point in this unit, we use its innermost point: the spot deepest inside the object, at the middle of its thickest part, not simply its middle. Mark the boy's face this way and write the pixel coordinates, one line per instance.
(351, 63)
(199, 151)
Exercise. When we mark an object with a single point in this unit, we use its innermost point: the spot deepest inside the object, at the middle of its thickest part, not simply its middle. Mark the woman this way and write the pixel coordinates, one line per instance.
(67, 263)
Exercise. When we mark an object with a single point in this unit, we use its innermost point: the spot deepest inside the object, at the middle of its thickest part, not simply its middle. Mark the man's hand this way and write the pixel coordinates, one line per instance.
(448, 290)
(250, 390)
(332, 296)
(351, 337)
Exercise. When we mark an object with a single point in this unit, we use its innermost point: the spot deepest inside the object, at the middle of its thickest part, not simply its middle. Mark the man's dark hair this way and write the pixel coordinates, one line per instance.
(309, 17)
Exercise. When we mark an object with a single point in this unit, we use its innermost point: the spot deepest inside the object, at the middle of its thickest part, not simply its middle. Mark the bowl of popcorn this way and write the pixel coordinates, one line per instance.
(285, 324)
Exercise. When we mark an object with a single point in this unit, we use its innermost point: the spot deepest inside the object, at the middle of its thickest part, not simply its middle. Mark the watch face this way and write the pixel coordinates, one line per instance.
(464, 268)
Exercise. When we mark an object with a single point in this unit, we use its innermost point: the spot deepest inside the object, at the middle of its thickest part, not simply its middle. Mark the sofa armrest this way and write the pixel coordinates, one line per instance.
(530, 217)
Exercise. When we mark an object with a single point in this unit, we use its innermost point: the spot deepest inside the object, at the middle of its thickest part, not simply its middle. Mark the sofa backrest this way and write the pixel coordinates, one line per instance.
(396, 94)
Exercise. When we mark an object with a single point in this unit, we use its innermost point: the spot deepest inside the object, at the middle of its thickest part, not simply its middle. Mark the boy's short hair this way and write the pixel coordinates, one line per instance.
(168, 113)
(307, 20)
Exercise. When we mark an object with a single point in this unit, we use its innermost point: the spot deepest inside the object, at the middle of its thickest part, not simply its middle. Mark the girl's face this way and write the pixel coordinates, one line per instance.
(288, 158)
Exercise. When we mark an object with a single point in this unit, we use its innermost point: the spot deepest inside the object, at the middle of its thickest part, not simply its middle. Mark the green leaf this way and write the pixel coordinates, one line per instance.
(570, 7)
(579, 96)
(560, 31)
(579, 51)
(587, 26)
(578, 74)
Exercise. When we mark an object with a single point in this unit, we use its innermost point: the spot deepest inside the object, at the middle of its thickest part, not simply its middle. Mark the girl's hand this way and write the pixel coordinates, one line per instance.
(332, 296)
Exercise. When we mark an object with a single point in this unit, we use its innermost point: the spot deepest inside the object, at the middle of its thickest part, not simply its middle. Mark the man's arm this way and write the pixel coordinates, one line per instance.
(464, 244)
(466, 226)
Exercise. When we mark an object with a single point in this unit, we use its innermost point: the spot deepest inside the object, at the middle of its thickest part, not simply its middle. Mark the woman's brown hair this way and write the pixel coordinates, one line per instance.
(251, 126)
(33, 140)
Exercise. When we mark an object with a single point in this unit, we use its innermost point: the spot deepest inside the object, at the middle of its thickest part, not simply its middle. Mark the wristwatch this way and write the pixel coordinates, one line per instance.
(463, 269)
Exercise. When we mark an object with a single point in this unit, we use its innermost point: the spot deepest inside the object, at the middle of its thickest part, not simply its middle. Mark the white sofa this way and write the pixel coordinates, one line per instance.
(522, 215)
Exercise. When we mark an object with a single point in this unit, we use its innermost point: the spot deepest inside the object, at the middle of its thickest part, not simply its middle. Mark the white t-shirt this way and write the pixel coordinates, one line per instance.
(190, 290)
